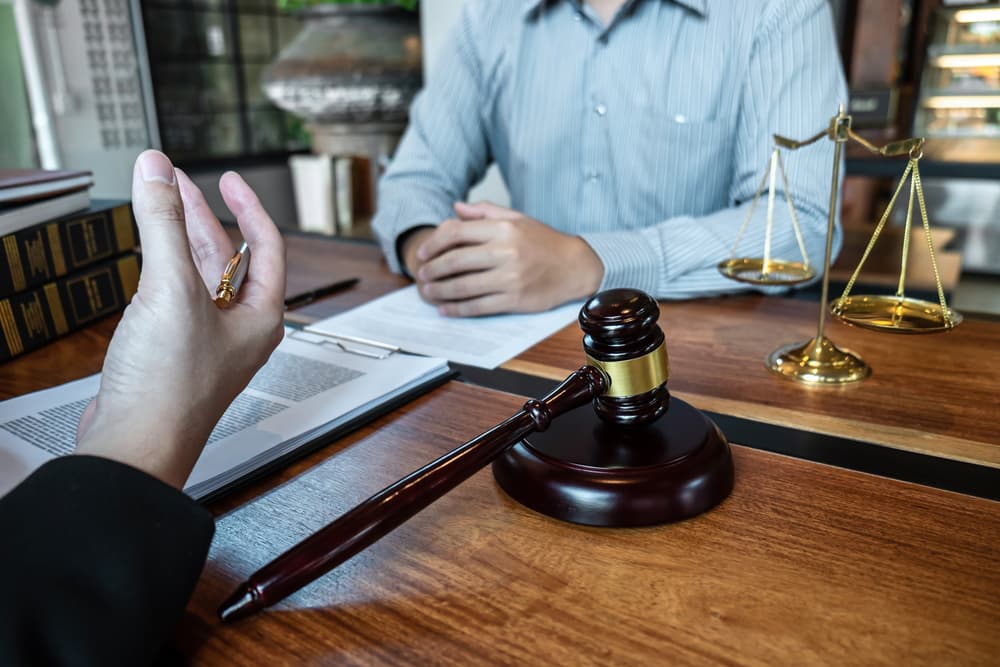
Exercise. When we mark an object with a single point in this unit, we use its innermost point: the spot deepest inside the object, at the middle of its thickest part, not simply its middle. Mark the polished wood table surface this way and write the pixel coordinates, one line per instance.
(882, 266)
(802, 564)
(934, 394)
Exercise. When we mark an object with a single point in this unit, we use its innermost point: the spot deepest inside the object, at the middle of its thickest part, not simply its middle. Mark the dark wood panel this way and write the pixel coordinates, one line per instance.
(803, 564)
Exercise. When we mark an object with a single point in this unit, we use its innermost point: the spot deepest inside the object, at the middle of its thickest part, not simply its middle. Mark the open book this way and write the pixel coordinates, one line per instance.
(311, 391)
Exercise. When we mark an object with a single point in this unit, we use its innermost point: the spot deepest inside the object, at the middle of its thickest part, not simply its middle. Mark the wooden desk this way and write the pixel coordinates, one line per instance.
(882, 267)
(803, 564)
(935, 394)
(932, 394)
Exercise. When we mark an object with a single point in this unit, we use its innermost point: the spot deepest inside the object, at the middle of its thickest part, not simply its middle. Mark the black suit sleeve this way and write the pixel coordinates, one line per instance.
(98, 561)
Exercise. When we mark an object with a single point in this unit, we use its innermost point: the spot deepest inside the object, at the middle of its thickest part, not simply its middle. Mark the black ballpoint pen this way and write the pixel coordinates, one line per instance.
(308, 297)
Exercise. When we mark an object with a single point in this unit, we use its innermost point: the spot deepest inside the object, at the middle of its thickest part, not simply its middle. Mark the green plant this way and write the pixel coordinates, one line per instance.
(300, 4)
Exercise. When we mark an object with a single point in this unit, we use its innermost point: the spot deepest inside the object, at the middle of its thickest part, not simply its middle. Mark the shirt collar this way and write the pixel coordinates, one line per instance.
(698, 6)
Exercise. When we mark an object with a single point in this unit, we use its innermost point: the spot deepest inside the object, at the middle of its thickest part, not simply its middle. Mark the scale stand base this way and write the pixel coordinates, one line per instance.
(585, 471)
(822, 364)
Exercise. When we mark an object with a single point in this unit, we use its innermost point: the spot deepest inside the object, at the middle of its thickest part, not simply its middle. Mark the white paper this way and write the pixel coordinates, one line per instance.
(402, 319)
(308, 387)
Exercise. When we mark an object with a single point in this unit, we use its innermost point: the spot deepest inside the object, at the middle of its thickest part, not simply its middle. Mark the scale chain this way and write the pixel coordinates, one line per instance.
(945, 312)
(906, 240)
(753, 206)
(875, 235)
(791, 211)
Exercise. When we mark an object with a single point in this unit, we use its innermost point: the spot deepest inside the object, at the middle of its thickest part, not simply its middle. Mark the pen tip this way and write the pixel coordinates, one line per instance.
(241, 603)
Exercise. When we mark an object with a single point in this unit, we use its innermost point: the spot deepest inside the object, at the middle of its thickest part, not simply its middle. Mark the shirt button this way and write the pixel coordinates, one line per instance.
(577, 17)
(600, 109)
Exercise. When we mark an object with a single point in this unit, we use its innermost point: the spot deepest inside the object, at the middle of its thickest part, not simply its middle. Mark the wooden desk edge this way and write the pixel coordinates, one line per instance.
(907, 439)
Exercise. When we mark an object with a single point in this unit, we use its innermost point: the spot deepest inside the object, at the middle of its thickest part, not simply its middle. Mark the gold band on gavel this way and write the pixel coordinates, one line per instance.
(635, 376)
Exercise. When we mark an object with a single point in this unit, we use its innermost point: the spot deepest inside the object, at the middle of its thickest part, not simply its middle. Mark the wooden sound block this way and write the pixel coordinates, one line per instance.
(586, 471)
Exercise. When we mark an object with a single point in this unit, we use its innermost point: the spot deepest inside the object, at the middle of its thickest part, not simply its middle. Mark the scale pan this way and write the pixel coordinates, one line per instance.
(894, 314)
(779, 272)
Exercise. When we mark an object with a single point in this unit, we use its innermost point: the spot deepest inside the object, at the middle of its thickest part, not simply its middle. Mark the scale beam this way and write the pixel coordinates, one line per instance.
(818, 361)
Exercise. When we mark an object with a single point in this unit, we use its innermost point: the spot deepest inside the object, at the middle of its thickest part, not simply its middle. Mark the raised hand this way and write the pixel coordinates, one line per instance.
(177, 361)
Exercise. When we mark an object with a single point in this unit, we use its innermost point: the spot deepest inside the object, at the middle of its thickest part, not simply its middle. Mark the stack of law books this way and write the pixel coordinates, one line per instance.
(66, 260)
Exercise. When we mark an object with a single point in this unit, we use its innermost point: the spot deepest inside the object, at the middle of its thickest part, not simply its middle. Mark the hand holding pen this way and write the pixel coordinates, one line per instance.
(177, 360)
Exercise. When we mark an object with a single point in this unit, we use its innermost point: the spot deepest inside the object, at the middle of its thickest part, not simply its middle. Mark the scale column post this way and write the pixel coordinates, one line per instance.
(818, 361)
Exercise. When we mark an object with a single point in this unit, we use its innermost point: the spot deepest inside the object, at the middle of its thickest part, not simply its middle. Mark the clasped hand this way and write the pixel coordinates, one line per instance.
(492, 259)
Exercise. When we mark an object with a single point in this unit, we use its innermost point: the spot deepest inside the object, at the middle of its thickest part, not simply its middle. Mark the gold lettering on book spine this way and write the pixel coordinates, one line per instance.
(37, 263)
(56, 308)
(9, 328)
(89, 238)
(89, 286)
(635, 376)
(55, 246)
(14, 262)
(33, 319)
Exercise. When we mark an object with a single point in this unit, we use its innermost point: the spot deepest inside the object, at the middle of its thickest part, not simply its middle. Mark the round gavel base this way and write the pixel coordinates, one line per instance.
(585, 471)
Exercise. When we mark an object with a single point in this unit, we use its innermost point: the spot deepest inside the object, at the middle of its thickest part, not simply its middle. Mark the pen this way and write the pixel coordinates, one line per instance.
(299, 300)
(232, 277)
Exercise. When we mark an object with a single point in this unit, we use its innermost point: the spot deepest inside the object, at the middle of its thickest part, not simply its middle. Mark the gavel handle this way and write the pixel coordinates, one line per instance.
(358, 528)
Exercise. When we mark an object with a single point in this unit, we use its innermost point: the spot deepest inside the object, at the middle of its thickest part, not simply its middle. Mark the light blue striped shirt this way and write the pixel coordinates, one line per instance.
(647, 137)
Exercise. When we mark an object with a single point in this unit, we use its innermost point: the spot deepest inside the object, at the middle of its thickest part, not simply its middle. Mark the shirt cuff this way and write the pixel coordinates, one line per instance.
(629, 260)
(395, 218)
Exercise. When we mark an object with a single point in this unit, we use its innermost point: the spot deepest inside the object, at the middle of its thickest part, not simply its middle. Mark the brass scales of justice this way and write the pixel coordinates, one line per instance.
(818, 361)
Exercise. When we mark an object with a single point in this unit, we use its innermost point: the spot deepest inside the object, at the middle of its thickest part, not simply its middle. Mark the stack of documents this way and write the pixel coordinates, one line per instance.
(403, 321)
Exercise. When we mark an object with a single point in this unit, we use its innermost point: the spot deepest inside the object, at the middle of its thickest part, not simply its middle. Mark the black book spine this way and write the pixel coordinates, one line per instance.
(42, 253)
(30, 319)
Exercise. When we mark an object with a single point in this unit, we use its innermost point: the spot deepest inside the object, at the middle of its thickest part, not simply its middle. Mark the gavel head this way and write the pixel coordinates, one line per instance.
(623, 340)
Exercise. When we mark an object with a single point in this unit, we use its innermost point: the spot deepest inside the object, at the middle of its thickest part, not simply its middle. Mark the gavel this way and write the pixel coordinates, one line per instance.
(622, 465)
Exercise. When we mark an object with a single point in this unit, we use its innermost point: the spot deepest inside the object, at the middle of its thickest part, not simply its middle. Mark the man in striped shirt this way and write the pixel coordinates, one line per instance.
(631, 135)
